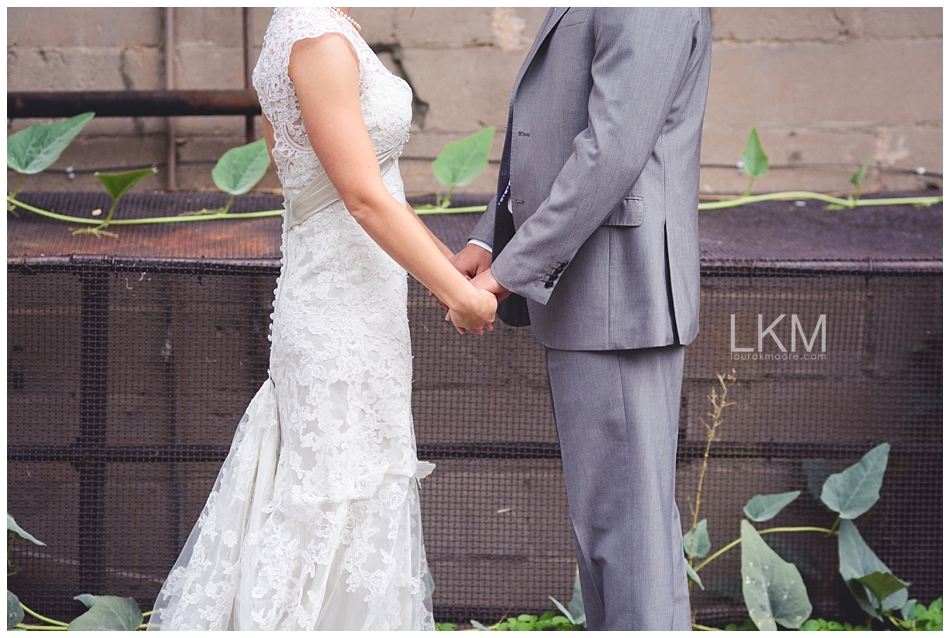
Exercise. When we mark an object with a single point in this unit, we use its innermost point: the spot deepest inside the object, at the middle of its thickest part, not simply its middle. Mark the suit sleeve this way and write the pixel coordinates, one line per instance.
(639, 62)
(484, 230)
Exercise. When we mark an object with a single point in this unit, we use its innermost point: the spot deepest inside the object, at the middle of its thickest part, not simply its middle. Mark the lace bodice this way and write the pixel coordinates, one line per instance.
(386, 100)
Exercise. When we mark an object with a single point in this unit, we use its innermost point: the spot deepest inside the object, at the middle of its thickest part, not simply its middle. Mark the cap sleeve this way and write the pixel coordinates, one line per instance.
(313, 22)
(288, 25)
(301, 23)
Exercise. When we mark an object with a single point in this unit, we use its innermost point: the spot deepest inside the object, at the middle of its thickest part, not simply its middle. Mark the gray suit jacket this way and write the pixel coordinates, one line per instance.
(603, 142)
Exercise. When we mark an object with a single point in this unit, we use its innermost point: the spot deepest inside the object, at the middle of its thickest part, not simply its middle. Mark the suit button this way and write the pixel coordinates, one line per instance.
(559, 270)
(549, 284)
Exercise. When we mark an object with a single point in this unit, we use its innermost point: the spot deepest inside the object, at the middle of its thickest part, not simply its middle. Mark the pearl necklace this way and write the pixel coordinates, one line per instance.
(356, 25)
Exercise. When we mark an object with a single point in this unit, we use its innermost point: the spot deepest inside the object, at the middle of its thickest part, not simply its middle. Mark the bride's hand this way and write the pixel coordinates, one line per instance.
(476, 314)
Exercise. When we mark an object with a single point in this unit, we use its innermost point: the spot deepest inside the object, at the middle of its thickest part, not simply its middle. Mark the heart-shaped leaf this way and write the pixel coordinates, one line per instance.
(241, 168)
(773, 590)
(909, 610)
(882, 584)
(22, 533)
(754, 160)
(109, 613)
(461, 162)
(14, 610)
(853, 491)
(857, 560)
(33, 150)
(118, 184)
(765, 507)
(855, 557)
(702, 546)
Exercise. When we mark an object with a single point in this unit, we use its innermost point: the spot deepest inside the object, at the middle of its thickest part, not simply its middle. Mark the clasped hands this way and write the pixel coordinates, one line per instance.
(475, 263)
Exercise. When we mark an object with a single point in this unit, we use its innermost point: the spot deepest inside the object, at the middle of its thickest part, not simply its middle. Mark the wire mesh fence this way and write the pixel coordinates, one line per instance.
(130, 362)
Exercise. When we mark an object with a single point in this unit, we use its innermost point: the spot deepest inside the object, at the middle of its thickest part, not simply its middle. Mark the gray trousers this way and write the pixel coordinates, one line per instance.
(617, 416)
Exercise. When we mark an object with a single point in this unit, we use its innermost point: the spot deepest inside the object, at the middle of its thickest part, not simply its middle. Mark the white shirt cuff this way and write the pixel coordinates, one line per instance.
(480, 244)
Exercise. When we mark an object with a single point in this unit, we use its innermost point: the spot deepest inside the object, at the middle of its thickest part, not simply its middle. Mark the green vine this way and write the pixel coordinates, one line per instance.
(205, 216)
(195, 217)
(773, 589)
(55, 623)
(18, 184)
(738, 541)
(34, 149)
(728, 203)
(849, 202)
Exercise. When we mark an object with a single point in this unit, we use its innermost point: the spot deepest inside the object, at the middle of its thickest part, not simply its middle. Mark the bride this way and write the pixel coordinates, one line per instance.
(313, 522)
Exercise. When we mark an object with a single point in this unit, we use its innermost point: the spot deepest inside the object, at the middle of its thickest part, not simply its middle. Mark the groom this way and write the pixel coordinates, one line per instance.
(594, 228)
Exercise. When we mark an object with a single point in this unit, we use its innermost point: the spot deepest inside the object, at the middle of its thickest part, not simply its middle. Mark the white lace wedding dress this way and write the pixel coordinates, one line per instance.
(313, 522)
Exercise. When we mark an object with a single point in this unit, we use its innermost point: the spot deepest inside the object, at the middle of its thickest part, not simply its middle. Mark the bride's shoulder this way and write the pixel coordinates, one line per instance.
(290, 24)
(293, 19)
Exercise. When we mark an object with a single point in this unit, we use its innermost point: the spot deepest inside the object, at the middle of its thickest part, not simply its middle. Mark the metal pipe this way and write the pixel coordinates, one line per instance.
(22, 104)
(171, 163)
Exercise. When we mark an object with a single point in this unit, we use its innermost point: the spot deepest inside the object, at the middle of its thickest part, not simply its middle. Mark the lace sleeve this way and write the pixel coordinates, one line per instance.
(313, 22)
(285, 29)
(275, 90)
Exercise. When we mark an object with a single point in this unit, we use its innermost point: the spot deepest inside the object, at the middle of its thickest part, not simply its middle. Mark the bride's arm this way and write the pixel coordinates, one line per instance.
(325, 73)
(445, 250)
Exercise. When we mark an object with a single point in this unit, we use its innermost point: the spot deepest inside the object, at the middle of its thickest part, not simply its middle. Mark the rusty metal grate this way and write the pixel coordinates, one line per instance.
(130, 362)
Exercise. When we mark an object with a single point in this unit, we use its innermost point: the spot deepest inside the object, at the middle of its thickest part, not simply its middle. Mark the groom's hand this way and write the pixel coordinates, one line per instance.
(469, 261)
(486, 281)
(472, 260)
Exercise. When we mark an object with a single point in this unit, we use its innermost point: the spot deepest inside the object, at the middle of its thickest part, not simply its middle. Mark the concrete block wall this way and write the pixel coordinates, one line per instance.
(826, 88)
(112, 49)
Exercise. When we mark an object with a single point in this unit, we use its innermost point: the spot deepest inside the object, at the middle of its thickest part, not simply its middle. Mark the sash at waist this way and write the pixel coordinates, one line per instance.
(320, 192)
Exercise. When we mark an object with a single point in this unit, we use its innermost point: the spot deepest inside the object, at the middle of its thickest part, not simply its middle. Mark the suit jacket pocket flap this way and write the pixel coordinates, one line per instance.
(629, 214)
(572, 17)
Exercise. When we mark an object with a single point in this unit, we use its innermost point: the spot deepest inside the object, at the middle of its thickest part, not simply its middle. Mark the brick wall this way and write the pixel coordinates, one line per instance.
(826, 88)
